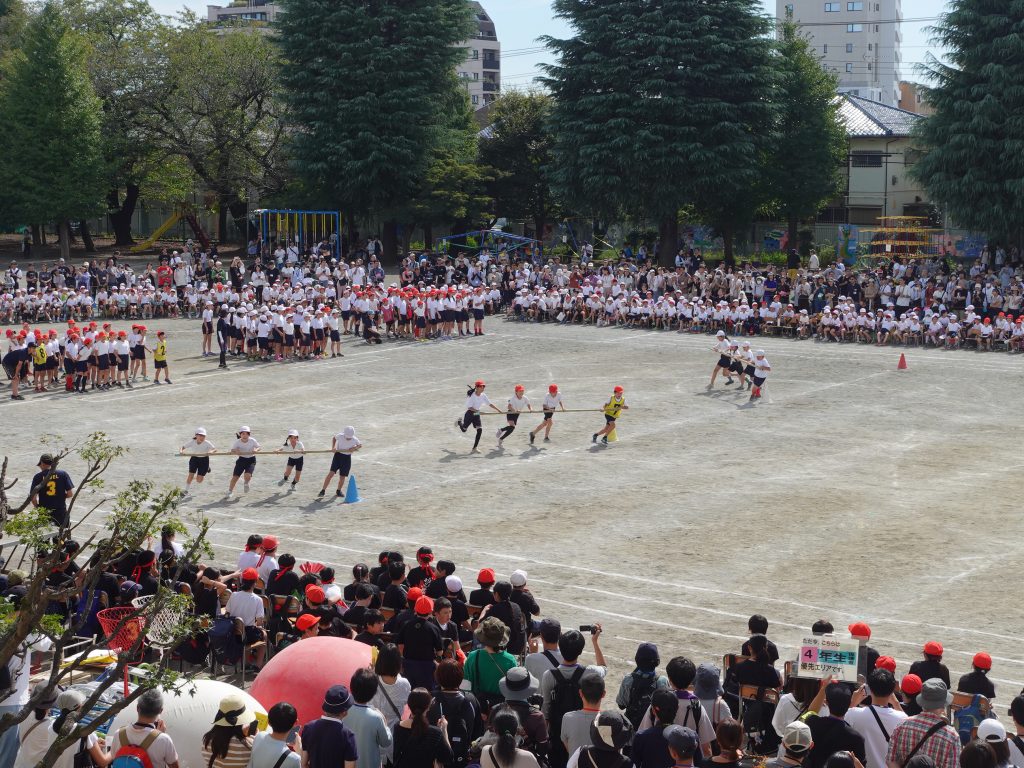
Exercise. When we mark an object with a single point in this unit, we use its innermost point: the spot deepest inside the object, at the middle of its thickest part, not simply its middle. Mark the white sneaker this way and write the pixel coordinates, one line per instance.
(246, 487)
(498, 434)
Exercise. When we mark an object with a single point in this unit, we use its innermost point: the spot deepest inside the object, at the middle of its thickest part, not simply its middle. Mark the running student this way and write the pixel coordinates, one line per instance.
(160, 359)
(761, 370)
(292, 445)
(516, 404)
(552, 400)
(616, 404)
(198, 450)
(245, 464)
(344, 444)
(475, 400)
(724, 361)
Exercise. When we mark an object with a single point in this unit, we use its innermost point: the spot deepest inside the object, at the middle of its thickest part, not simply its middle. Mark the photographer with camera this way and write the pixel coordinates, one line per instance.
(560, 687)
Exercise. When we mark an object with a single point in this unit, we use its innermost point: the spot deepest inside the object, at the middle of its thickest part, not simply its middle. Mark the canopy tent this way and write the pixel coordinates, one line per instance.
(487, 239)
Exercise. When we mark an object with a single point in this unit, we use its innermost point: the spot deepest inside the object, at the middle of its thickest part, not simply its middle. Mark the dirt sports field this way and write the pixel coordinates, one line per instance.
(851, 491)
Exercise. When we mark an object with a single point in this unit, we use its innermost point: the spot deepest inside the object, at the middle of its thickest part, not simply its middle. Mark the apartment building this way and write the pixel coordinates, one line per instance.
(481, 71)
(858, 40)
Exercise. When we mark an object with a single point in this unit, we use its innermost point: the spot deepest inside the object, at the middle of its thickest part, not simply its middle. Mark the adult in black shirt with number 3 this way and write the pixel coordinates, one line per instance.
(51, 489)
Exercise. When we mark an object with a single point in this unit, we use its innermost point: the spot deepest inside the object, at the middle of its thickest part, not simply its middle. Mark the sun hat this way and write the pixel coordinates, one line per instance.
(518, 684)
(337, 700)
(707, 684)
(611, 731)
(234, 710)
(934, 694)
(492, 632)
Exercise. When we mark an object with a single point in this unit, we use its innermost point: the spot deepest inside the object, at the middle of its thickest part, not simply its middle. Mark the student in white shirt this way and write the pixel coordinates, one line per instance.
(198, 449)
(294, 446)
(475, 400)
(344, 444)
(516, 405)
(876, 721)
(761, 370)
(552, 400)
(245, 464)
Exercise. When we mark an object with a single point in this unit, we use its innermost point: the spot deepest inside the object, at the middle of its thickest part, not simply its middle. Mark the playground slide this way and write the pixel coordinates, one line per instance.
(148, 243)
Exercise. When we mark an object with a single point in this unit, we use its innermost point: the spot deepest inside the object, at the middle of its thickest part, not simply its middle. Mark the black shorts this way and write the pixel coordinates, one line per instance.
(463, 316)
(346, 314)
(277, 335)
(724, 362)
(138, 353)
(305, 340)
(103, 362)
(318, 334)
(295, 461)
(749, 370)
(207, 329)
(609, 419)
(513, 418)
(736, 367)
(335, 335)
(199, 465)
(82, 366)
(421, 321)
(472, 417)
(122, 362)
(251, 342)
(548, 415)
(262, 342)
(244, 465)
(341, 463)
(159, 364)
(478, 314)
(289, 341)
(448, 316)
(759, 380)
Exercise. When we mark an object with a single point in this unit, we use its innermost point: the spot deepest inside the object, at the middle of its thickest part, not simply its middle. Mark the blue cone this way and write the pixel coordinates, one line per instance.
(352, 492)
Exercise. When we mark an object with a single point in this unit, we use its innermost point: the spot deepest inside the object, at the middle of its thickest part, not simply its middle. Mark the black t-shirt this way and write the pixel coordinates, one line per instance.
(349, 593)
(207, 601)
(53, 485)
(286, 583)
(831, 735)
(419, 575)
(752, 672)
(356, 615)
(394, 597)
(481, 597)
(977, 682)
(400, 619)
(525, 601)
(512, 616)
(373, 641)
(449, 632)
(436, 588)
(926, 669)
(421, 639)
(773, 651)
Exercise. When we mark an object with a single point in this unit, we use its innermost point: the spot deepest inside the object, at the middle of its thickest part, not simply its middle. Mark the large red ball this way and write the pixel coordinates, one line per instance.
(302, 673)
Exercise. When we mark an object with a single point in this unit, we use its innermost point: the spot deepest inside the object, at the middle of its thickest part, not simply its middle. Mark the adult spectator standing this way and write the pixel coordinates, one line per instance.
(518, 687)
(271, 749)
(51, 489)
(465, 724)
(832, 733)
(392, 692)
(148, 732)
(510, 614)
(928, 733)
(575, 729)
(548, 657)
(560, 687)
(681, 673)
(1016, 742)
(418, 744)
(977, 680)
(326, 742)
(796, 743)
(649, 748)
(876, 721)
(368, 724)
(931, 665)
(486, 667)
(19, 667)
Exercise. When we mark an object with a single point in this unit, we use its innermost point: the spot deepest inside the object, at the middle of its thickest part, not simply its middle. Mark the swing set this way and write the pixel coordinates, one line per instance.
(302, 229)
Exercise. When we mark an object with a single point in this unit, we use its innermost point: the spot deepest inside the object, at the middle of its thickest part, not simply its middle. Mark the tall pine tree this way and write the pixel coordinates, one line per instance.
(366, 82)
(804, 167)
(659, 105)
(50, 120)
(974, 166)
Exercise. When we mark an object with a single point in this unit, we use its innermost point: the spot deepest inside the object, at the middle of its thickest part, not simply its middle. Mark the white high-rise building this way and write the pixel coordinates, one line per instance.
(481, 71)
(859, 40)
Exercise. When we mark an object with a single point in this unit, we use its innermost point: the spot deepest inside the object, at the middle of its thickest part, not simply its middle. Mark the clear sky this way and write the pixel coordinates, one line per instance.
(520, 22)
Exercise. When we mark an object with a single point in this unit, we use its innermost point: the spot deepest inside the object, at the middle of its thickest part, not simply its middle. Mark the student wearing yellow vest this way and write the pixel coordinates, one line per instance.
(39, 366)
(160, 359)
(616, 404)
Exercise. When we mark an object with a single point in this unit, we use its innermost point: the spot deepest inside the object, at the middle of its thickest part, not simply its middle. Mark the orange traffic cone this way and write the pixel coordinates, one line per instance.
(902, 365)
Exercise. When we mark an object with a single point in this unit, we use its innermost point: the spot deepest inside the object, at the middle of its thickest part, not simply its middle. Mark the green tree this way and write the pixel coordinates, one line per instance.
(221, 113)
(517, 146)
(50, 120)
(974, 166)
(137, 513)
(12, 21)
(658, 105)
(366, 83)
(804, 166)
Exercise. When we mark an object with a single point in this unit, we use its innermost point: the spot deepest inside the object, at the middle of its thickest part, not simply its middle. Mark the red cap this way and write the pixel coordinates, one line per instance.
(618, 389)
(933, 648)
(269, 543)
(911, 685)
(486, 576)
(414, 594)
(315, 593)
(982, 661)
(424, 606)
(886, 662)
(250, 574)
(860, 629)
(520, 388)
(479, 383)
(553, 388)
(305, 621)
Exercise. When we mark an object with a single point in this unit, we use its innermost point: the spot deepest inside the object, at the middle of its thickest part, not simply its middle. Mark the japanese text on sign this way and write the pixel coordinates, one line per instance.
(825, 656)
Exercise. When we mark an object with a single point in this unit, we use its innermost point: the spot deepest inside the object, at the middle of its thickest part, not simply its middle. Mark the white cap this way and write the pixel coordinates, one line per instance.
(746, 344)
(991, 731)
(454, 583)
(200, 431)
(720, 333)
(293, 433)
(759, 353)
(517, 578)
(244, 429)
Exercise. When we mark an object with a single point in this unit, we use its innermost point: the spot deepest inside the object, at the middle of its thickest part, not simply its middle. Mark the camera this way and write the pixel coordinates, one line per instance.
(587, 628)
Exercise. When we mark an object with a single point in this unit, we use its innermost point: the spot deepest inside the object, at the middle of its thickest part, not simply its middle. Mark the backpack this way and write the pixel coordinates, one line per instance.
(565, 697)
(225, 645)
(132, 756)
(757, 725)
(967, 719)
(460, 724)
(641, 689)
(195, 650)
